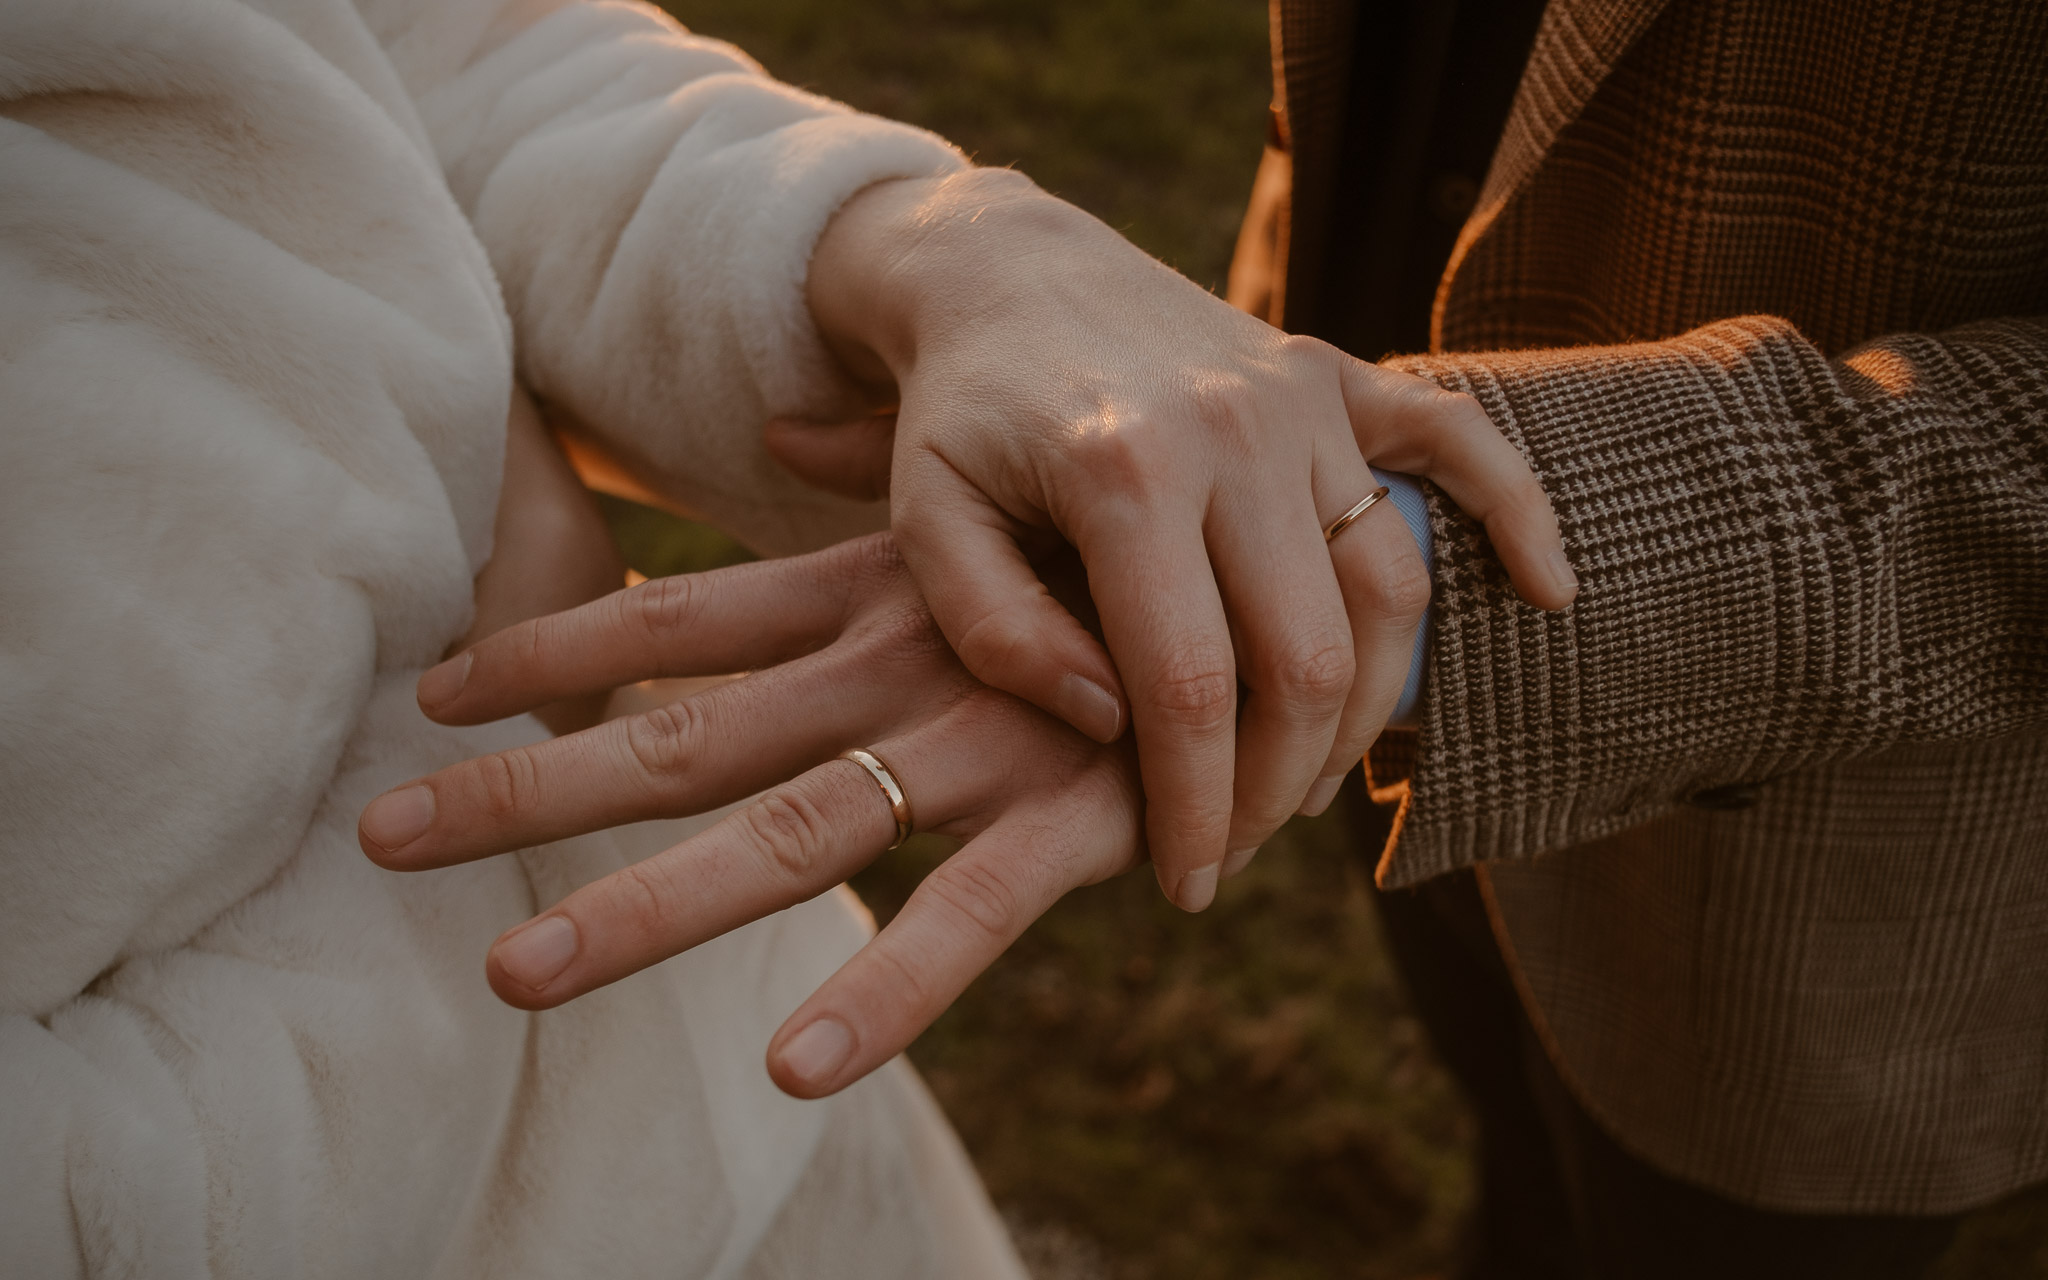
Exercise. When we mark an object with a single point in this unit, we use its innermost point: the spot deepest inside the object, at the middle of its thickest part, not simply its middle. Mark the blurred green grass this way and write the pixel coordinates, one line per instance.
(1150, 1095)
(1238, 1094)
(1148, 113)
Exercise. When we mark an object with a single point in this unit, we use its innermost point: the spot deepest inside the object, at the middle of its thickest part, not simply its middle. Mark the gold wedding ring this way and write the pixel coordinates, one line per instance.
(1343, 522)
(892, 790)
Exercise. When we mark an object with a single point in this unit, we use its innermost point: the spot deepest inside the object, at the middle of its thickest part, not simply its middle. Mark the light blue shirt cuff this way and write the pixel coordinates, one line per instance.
(1406, 495)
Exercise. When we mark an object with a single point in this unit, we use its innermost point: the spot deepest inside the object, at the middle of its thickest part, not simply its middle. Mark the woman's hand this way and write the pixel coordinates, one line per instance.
(550, 549)
(1052, 377)
(844, 655)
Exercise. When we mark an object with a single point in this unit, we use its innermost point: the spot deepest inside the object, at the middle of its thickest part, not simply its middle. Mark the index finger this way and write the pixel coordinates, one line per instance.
(993, 607)
(714, 623)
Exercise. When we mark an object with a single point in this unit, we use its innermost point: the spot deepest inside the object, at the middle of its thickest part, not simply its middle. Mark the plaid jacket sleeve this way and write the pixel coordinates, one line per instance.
(1784, 559)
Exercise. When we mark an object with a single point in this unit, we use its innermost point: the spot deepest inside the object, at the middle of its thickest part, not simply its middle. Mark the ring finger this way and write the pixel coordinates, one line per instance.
(793, 843)
(691, 756)
(1386, 592)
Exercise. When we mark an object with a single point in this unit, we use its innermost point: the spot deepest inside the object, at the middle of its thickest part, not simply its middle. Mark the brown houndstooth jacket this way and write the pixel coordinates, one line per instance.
(1760, 287)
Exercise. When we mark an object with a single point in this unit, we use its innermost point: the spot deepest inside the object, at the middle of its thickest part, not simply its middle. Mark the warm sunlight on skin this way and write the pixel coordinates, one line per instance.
(600, 471)
(1053, 380)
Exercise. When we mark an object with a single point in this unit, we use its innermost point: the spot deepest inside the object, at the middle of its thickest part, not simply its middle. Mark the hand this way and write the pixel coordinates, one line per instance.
(1052, 377)
(550, 550)
(844, 654)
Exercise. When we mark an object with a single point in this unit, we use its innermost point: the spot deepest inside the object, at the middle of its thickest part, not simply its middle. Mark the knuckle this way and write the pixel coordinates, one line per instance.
(901, 638)
(531, 643)
(1199, 827)
(1397, 586)
(1303, 347)
(1527, 492)
(1463, 412)
(1111, 803)
(1317, 670)
(642, 902)
(872, 560)
(907, 624)
(911, 975)
(662, 741)
(509, 784)
(1460, 404)
(1119, 458)
(787, 830)
(660, 608)
(996, 641)
(979, 896)
(1196, 691)
(1222, 405)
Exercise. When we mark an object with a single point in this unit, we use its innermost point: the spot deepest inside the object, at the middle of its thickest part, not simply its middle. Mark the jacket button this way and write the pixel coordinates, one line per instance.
(1728, 799)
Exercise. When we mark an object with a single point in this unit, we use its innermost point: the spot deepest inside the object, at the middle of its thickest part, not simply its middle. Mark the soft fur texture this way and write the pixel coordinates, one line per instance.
(255, 366)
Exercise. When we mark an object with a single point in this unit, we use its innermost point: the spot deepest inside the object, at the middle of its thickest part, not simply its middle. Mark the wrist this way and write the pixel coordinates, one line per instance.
(906, 260)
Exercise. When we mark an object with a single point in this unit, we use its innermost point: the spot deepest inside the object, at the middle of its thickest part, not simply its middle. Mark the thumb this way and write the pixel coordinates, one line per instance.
(850, 459)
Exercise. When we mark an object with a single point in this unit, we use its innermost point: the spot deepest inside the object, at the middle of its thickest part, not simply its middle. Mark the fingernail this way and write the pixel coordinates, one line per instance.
(397, 818)
(1561, 571)
(1238, 861)
(815, 1054)
(536, 954)
(1198, 887)
(440, 684)
(1320, 795)
(1090, 708)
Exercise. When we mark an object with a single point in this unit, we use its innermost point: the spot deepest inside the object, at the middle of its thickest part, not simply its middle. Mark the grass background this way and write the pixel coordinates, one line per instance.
(1151, 1095)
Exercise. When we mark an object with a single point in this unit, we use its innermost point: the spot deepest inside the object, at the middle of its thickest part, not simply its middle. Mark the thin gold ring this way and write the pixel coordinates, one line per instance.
(1343, 522)
(892, 790)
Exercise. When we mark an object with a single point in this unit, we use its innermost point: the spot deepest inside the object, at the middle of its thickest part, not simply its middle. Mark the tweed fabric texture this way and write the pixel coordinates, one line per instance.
(1759, 289)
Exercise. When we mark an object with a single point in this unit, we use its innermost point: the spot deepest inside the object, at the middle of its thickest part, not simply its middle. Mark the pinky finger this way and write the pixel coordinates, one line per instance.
(964, 915)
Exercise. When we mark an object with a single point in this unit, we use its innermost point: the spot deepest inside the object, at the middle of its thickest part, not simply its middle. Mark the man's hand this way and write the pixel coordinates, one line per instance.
(1051, 377)
(843, 655)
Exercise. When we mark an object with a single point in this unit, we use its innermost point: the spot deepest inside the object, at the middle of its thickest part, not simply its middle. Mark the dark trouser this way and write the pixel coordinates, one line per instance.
(1557, 1196)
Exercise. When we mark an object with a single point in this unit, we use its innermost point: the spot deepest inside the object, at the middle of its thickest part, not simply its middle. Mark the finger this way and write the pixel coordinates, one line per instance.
(997, 614)
(712, 623)
(1293, 638)
(691, 756)
(1405, 423)
(850, 459)
(1163, 616)
(793, 843)
(1386, 593)
(964, 915)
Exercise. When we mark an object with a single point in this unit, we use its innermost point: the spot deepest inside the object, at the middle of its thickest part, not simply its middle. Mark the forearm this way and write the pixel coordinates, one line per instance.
(1786, 560)
(664, 304)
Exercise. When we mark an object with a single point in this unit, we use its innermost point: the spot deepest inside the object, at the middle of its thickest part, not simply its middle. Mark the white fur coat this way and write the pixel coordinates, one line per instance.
(264, 269)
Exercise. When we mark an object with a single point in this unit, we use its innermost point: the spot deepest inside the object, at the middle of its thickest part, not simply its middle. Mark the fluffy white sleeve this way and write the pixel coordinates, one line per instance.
(255, 375)
(255, 384)
(650, 200)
